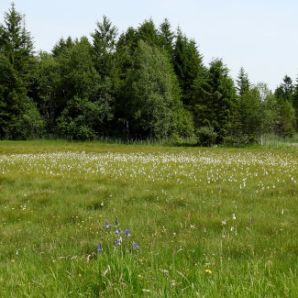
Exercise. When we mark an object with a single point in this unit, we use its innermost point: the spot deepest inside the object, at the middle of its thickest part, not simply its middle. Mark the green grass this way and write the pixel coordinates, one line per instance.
(217, 222)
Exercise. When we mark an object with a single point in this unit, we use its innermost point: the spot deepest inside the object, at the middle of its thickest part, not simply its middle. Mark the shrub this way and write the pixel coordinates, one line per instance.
(206, 136)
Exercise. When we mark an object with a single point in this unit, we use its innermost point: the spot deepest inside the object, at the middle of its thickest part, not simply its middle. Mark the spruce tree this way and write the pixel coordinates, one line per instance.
(104, 43)
(243, 84)
(285, 90)
(187, 64)
(221, 102)
(285, 95)
(167, 37)
(19, 117)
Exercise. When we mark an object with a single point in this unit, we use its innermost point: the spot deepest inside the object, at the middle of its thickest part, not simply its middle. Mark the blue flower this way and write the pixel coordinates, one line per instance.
(99, 248)
(135, 246)
(127, 233)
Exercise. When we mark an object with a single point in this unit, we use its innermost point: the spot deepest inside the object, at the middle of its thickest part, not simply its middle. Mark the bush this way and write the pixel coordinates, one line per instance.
(28, 124)
(82, 119)
(206, 136)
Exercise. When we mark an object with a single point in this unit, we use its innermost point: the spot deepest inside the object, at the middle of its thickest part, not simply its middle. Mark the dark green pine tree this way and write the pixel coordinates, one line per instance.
(249, 114)
(221, 106)
(187, 64)
(167, 37)
(19, 117)
(62, 45)
(286, 111)
(104, 43)
(16, 43)
(148, 32)
(286, 89)
(243, 84)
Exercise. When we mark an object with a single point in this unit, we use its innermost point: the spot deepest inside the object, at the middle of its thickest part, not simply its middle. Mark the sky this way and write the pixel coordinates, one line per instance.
(259, 35)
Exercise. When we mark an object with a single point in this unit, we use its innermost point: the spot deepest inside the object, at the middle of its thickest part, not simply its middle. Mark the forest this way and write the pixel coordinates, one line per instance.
(149, 82)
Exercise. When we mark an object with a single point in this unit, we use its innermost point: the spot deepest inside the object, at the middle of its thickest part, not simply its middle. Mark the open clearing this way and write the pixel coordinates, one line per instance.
(100, 220)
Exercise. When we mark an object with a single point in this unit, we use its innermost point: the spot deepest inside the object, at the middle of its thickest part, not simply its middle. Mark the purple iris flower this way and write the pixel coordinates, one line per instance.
(99, 248)
(127, 233)
(135, 246)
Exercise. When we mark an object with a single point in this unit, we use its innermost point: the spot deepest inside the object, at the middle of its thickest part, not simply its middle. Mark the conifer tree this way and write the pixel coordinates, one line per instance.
(221, 104)
(19, 117)
(285, 90)
(187, 64)
(104, 43)
(167, 37)
(243, 84)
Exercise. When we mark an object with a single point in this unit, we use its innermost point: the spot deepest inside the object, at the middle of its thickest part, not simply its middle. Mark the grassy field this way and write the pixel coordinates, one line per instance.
(104, 220)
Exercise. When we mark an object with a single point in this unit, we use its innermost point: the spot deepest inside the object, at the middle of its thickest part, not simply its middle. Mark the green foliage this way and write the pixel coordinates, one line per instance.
(79, 78)
(285, 90)
(167, 37)
(16, 43)
(62, 45)
(286, 115)
(151, 92)
(45, 89)
(28, 124)
(234, 227)
(215, 101)
(81, 119)
(19, 117)
(243, 84)
(249, 114)
(148, 33)
(104, 43)
(206, 136)
(149, 83)
(285, 119)
(270, 109)
(187, 65)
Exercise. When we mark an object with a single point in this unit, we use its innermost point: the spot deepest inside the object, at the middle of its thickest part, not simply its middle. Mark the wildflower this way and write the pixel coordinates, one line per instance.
(234, 216)
(107, 226)
(118, 241)
(117, 232)
(127, 233)
(99, 248)
(208, 271)
(135, 246)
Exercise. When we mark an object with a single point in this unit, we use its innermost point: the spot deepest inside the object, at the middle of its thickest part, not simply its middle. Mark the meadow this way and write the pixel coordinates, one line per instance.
(113, 220)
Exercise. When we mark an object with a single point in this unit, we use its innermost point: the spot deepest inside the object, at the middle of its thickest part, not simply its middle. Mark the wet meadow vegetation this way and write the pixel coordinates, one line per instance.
(107, 220)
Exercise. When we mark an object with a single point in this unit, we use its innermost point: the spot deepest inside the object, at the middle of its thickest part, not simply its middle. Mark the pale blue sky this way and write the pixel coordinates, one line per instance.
(260, 35)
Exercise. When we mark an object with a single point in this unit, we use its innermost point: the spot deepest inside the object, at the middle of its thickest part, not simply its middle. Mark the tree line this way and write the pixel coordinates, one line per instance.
(147, 83)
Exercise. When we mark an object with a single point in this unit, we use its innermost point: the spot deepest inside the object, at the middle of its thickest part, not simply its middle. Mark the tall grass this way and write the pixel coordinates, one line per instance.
(209, 222)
